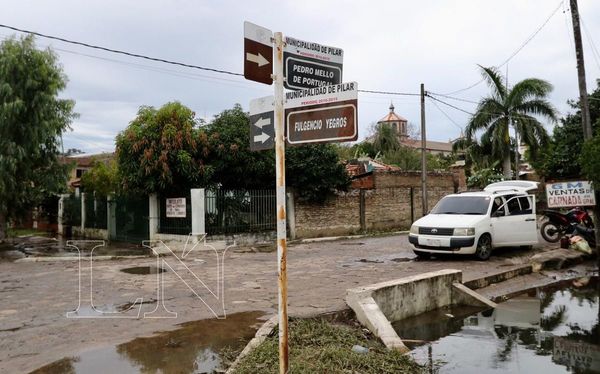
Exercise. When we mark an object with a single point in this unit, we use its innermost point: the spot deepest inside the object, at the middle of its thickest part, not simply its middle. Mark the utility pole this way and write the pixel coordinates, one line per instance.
(423, 154)
(280, 197)
(583, 99)
(585, 109)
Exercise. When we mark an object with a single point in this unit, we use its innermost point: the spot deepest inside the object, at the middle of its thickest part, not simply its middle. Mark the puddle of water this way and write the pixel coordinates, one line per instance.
(386, 259)
(549, 330)
(193, 348)
(143, 270)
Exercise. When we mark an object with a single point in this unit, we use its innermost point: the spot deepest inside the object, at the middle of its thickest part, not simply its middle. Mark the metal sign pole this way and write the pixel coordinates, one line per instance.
(281, 214)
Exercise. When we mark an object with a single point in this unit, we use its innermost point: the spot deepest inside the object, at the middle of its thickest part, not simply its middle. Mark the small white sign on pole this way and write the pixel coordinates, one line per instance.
(570, 194)
(175, 207)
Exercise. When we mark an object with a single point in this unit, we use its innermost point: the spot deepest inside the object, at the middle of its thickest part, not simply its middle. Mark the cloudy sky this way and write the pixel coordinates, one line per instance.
(388, 46)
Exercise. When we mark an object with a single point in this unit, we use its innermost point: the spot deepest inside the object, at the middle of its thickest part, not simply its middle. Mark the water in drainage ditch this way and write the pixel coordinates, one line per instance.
(193, 348)
(549, 330)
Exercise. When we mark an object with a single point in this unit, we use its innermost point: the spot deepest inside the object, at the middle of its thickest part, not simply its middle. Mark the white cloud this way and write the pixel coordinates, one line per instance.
(388, 45)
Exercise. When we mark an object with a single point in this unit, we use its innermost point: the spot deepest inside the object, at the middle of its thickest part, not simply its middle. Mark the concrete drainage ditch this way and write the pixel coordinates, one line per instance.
(378, 305)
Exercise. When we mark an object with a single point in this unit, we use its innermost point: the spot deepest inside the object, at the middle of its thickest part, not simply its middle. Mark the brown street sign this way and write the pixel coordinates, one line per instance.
(258, 53)
(322, 114)
(308, 64)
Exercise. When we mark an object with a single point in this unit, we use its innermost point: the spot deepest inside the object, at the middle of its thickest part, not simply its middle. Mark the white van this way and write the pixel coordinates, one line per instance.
(502, 215)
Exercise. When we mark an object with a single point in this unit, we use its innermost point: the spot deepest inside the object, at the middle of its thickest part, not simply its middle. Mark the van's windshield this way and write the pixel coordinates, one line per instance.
(476, 205)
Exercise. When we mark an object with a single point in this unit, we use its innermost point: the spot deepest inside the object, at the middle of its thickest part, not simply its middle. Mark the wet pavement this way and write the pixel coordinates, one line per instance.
(192, 348)
(35, 297)
(554, 329)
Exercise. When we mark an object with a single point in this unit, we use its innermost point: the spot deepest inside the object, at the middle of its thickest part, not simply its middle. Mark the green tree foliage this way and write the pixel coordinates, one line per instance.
(314, 171)
(232, 162)
(590, 161)
(163, 150)
(102, 178)
(32, 120)
(385, 139)
(484, 176)
(561, 159)
(516, 107)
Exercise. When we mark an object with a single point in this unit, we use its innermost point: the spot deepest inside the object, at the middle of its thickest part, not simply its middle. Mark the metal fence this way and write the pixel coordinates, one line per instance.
(72, 211)
(95, 212)
(235, 211)
(131, 218)
(175, 225)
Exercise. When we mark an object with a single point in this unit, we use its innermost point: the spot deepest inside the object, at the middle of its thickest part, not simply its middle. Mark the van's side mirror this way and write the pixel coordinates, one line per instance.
(497, 213)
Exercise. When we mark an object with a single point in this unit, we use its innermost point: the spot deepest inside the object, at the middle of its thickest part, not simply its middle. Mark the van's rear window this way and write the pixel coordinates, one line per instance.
(462, 205)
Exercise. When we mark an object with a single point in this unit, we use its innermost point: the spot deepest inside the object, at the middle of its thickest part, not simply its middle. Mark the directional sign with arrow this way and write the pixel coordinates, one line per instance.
(262, 120)
(258, 53)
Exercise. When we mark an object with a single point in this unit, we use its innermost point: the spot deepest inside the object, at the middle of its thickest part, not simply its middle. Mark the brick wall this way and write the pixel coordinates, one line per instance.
(339, 215)
(386, 206)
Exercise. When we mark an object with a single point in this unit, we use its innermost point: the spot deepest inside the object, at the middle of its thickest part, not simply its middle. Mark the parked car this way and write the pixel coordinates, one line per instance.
(502, 215)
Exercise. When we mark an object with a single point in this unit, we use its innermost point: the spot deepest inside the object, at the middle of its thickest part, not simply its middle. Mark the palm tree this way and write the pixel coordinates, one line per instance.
(385, 139)
(516, 107)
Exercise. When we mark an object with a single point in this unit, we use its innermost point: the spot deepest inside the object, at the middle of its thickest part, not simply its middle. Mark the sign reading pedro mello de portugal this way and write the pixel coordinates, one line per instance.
(309, 64)
(322, 114)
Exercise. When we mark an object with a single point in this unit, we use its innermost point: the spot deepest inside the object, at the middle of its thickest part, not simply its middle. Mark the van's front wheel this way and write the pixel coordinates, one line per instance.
(484, 247)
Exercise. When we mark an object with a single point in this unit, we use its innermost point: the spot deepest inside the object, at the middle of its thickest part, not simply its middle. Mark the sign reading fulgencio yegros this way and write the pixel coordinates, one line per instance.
(570, 194)
(322, 114)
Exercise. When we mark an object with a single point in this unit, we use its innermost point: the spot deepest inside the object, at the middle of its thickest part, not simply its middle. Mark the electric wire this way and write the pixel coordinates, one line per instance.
(130, 54)
(527, 41)
(162, 60)
(595, 53)
(447, 116)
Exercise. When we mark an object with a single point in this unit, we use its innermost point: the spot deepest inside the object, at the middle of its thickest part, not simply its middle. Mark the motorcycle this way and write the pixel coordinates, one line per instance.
(585, 232)
(559, 224)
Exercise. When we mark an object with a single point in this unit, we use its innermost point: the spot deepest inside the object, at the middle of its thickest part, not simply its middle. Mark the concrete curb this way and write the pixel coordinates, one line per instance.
(345, 237)
(73, 258)
(261, 335)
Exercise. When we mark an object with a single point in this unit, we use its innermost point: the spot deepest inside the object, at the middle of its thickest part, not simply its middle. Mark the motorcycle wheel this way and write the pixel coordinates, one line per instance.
(550, 232)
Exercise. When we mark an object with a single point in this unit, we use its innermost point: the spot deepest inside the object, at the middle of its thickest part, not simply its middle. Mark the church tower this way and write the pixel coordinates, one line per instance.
(398, 123)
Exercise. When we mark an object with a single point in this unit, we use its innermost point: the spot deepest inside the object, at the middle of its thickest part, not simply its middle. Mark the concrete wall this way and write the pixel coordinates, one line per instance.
(415, 295)
(377, 305)
(391, 204)
(337, 216)
(90, 233)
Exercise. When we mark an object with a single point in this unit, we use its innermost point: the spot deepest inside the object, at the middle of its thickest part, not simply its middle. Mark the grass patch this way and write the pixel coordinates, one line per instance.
(13, 233)
(321, 346)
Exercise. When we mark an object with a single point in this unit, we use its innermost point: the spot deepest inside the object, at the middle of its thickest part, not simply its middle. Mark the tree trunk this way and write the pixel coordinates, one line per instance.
(2, 226)
(506, 167)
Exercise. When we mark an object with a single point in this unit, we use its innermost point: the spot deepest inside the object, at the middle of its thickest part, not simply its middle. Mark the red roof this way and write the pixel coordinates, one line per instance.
(393, 117)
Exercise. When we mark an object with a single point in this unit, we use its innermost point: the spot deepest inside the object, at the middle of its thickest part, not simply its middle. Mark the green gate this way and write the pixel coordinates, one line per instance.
(131, 219)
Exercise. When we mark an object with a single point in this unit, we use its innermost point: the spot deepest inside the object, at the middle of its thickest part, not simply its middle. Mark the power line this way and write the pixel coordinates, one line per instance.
(450, 105)
(454, 98)
(529, 39)
(120, 52)
(447, 116)
(390, 93)
(136, 55)
(595, 52)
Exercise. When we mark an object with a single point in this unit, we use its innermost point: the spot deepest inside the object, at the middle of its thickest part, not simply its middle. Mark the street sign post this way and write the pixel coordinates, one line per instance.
(258, 53)
(322, 114)
(262, 123)
(310, 64)
(325, 112)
